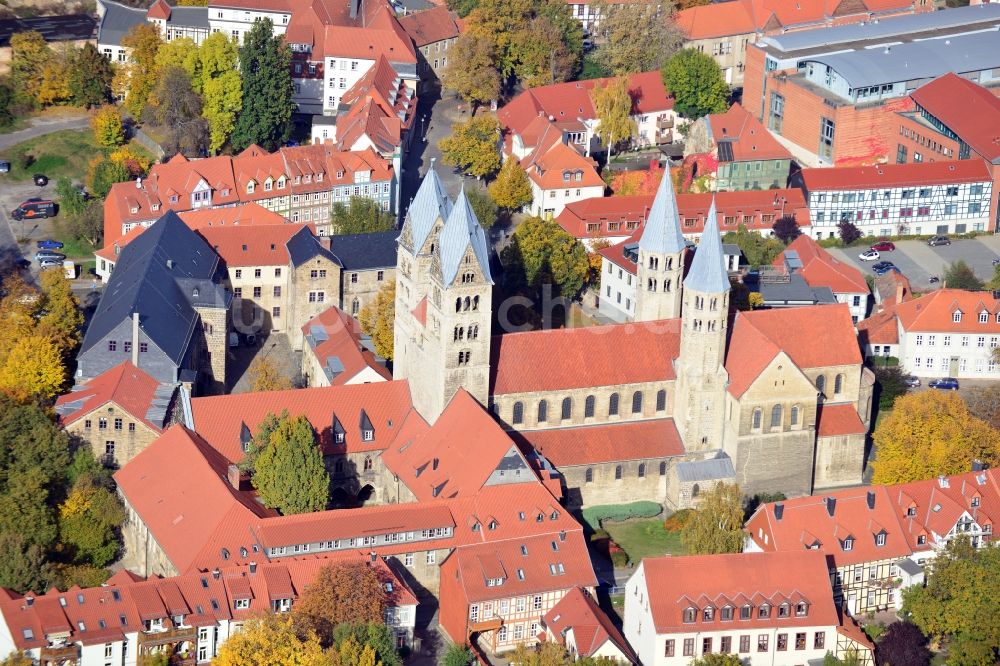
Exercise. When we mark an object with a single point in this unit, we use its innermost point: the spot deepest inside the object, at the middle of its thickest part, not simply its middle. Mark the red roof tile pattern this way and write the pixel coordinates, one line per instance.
(587, 445)
(716, 20)
(266, 246)
(675, 584)
(343, 341)
(896, 175)
(821, 269)
(813, 337)
(430, 26)
(936, 312)
(747, 136)
(592, 628)
(976, 120)
(591, 356)
(835, 420)
(125, 385)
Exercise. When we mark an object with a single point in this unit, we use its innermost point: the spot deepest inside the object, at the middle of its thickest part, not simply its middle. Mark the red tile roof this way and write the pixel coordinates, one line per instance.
(159, 10)
(439, 463)
(548, 168)
(343, 342)
(976, 120)
(896, 175)
(935, 312)
(220, 419)
(592, 356)
(834, 420)
(587, 445)
(266, 246)
(747, 137)
(715, 20)
(592, 628)
(125, 385)
(430, 26)
(813, 337)
(674, 584)
(821, 269)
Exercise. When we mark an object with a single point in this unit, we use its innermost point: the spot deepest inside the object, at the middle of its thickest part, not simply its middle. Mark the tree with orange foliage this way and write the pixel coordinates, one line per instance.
(342, 592)
(630, 183)
(594, 257)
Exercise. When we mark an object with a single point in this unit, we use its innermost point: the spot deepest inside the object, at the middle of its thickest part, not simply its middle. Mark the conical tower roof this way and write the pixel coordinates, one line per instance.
(708, 269)
(429, 203)
(662, 233)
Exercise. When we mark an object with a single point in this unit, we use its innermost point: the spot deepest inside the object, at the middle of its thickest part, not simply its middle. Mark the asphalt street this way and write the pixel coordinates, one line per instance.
(918, 261)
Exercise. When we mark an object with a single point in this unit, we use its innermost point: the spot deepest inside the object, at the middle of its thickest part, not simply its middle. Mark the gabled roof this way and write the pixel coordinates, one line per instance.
(265, 246)
(127, 386)
(662, 231)
(935, 312)
(596, 444)
(430, 26)
(593, 356)
(461, 232)
(820, 268)
(708, 268)
(747, 138)
(335, 338)
(975, 121)
(715, 20)
(915, 174)
(578, 612)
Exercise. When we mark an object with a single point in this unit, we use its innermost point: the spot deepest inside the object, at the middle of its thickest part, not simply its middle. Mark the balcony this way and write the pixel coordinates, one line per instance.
(60, 654)
(664, 123)
(486, 625)
(665, 136)
(155, 639)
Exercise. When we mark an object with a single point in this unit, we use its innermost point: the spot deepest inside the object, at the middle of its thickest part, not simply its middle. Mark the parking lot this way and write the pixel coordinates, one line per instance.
(918, 261)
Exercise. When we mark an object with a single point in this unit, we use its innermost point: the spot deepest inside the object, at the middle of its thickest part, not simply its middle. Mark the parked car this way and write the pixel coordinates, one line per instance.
(40, 179)
(49, 244)
(869, 255)
(4, 166)
(42, 255)
(911, 381)
(45, 264)
(934, 241)
(945, 384)
(884, 246)
(33, 208)
(883, 267)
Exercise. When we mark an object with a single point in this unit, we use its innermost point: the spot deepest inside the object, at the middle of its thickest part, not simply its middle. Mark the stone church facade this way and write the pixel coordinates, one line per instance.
(688, 394)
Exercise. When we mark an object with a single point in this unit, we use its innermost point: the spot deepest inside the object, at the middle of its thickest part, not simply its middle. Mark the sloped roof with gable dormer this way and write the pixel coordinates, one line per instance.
(936, 312)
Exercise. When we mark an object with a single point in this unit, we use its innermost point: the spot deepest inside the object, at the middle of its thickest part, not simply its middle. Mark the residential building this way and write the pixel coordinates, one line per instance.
(578, 623)
(433, 31)
(896, 199)
(748, 157)
(337, 352)
(163, 309)
(819, 270)
(846, 83)
(879, 333)
(116, 20)
(724, 29)
(559, 175)
(117, 413)
(299, 183)
(766, 608)
(617, 218)
(872, 536)
(130, 618)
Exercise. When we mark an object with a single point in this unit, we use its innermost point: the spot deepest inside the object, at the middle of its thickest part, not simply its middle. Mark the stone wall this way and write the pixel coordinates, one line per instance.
(361, 287)
(142, 555)
(133, 437)
(301, 309)
(212, 348)
(605, 488)
(840, 461)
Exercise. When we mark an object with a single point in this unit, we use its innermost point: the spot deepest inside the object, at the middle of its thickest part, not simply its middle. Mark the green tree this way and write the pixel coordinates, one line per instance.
(959, 275)
(140, 72)
(483, 206)
(848, 232)
(259, 441)
(265, 64)
(373, 636)
(360, 215)
(511, 189)
(85, 466)
(717, 659)
(6, 104)
(891, 384)
(994, 282)
(22, 563)
(104, 174)
(717, 525)
(758, 250)
(456, 655)
(696, 82)
(931, 433)
(378, 319)
(542, 253)
(29, 55)
(25, 509)
(472, 70)
(613, 104)
(541, 55)
(88, 225)
(90, 77)
(30, 442)
(217, 79)
(71, 200)
(88, 522)
(638, 37)
(289, 473)
(474, 146)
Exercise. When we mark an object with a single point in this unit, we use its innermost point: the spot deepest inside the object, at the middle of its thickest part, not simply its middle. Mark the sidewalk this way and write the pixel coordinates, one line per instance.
(70, 119)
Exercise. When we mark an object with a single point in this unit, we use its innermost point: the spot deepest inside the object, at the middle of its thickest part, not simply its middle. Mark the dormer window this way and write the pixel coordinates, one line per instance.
(134, 210)
(726, 614)
(784, 610)
(956, 316)
(173, 198)
(241, 604)
(974, 503)
(250, 187)
(746, 612)
(880, 539)
(911, 511)
(493, 525)
(921, 540)
(690, 614)
(566, 176)
(28, 634)
(307, 178)
(801, 609)
(338, 438)
(848, 543)
(764, 612)
(281, 183)
(708, 613)
(475, 527)
(984, 317)
(267, 185)
(225, 192)
(367, 435)
(319, 177)
(155, 207)
(340, 174)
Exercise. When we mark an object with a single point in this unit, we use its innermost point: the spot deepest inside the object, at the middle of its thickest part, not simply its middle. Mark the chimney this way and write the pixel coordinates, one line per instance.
(871, 500)
(943, 481)
(253, 568)
(234, 476)
(831, 505)
(899, 293)
(170, 263)
(138, 183)
(978, 465)
(216, 573)
(29, 600)
(135, 339)
(779, 510)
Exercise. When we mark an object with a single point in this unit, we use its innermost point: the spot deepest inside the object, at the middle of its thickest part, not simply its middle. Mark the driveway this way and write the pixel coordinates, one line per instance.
(45, 125)
(918, 261)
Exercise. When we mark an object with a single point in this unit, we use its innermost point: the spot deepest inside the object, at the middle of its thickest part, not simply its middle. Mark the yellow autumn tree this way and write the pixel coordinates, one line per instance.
(109, 131)
(61, 320)
(54, 85)
(931, 433)
(378, 319)
(270, 640)
(33, 368)
(265, 376)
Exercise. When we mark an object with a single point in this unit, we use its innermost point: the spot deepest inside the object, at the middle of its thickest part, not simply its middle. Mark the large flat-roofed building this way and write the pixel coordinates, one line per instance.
(844, 83)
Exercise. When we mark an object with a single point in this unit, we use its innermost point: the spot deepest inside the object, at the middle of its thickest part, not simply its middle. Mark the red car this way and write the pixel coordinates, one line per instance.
(884, 246)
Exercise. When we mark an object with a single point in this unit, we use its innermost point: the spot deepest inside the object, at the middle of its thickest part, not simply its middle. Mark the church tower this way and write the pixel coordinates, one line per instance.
(449, 325)
(701, 377)
(660, 265)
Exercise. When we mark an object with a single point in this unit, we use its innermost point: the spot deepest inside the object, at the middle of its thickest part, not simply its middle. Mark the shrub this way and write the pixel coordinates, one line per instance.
(678, 520)
(619, 558)
(595, 514)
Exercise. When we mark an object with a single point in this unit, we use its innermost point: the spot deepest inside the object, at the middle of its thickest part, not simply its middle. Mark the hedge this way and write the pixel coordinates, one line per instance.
(595, 514)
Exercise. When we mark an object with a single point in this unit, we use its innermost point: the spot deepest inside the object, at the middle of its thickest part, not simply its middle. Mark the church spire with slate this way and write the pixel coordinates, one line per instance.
(660, 261)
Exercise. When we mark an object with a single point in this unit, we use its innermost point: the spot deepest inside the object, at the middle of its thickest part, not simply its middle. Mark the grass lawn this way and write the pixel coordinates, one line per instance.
(644, 538)
(75, 248)
(64, 153)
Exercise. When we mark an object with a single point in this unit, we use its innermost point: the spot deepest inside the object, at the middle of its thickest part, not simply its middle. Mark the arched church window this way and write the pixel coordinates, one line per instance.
(641, 473)
(465, 303)
(618, 472)
(695, 490)
(459, 332)
(670, 263)
(613, 405)
(838, 384)
(518, 417)
(543, 411)
(714, 304)
(637, 402)
(661, 400)
(567, 409)
(475, 302)
(588, 407)
(794, 415)
(776, 416)
(474, 332)
(755, 421)
(588, 476)
(458, 304)
(821, 383)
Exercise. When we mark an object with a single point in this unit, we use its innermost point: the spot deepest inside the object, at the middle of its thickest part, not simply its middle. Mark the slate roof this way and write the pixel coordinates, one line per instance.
(192, 17)
(149, 279)
(720, 467)
(117, 21)
(303, 246)
(358, 252)
(462, 230)
(430, 203)
(662, 233)
(708, 269)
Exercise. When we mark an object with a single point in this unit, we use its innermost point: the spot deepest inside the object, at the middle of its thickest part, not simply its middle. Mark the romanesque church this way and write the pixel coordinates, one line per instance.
(688, 394)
